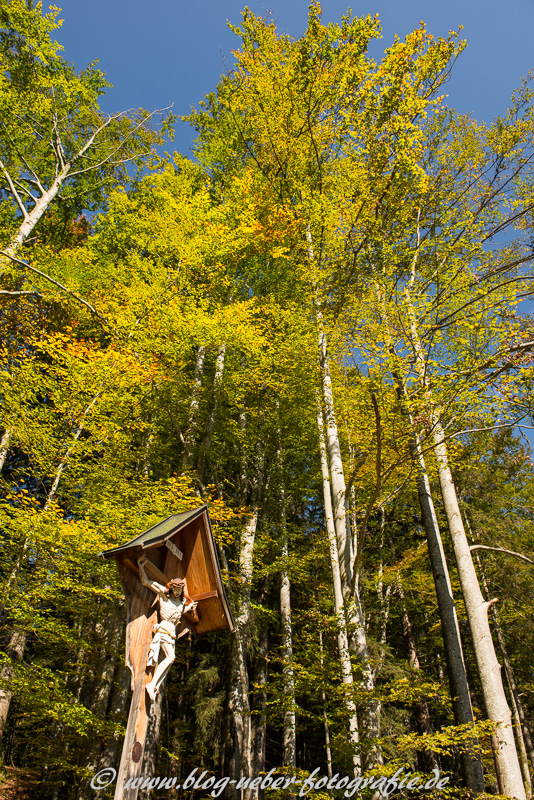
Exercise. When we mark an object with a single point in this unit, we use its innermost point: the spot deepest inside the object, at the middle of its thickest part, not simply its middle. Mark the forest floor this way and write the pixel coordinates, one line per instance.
(17, 784)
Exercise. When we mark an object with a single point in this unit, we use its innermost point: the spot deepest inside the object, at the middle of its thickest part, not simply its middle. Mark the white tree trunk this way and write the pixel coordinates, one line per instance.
(342, 636)
(477, 611)
(47, 196)
(4, 447)
(370, 712)
(290, 720)
(489, 669)
(260, 707)
(328, 751)
(337, 474)
(517, 706)
(31, 219)
(239, 686)
(210, 423)
(458, 683)
(29, 222)
(459, 686)
(522, 733)
(193, 408)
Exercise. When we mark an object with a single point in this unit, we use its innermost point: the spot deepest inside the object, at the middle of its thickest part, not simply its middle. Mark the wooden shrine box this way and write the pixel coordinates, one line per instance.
(181, 546)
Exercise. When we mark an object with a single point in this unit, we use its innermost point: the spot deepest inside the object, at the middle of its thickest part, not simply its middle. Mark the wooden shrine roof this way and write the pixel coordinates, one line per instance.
(198, 564)
(161, 531)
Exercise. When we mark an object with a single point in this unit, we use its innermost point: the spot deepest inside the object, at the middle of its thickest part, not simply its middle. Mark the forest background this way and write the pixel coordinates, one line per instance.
(319, 326)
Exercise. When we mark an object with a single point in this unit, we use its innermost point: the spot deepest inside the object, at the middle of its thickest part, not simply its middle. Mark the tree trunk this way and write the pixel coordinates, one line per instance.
(489, 669)
(328, 751)
(260, 706)
(239, 681)
(458, 682)
(242, 484)
(383, 599)
(29, 222)
(290, 723)
(210, 423)
(370, 711)
(477, 612)
(290, 729)
(342, 636)
(193, 409)
(422, 713)
(239, 687)
(4, 447)
(31, 219)
(42, 203)
(523, 739)
(452, 643)
(337, 475)
(15, 651)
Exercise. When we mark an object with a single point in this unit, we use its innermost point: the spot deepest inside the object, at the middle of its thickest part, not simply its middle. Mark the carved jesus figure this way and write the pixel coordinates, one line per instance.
(172, 605)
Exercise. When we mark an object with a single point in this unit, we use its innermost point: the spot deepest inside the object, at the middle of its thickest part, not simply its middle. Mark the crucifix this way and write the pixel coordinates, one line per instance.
(176, 560)
(172, 604)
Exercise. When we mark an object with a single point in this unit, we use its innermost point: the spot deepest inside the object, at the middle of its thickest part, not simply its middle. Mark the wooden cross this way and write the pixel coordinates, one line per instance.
(181, 546)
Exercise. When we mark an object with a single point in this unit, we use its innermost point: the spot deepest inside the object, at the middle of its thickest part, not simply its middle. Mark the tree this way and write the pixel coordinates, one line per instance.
(326, 136)
(56, 146)
(453, 298)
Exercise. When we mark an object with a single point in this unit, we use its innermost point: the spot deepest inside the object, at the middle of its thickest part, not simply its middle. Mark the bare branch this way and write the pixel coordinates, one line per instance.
(14, 191)
(24, 161)
(72, 294)
(21, 186)
(501, 550)
(101, 163)
(91, 140)
(18, 294)
(58, 146)
(491, 428)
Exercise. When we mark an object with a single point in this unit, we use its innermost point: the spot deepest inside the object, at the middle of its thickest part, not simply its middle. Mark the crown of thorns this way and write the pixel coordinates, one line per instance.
(176, 583)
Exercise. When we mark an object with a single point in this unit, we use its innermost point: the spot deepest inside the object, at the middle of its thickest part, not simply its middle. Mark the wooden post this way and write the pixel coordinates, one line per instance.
(134, 742)
(141, 618)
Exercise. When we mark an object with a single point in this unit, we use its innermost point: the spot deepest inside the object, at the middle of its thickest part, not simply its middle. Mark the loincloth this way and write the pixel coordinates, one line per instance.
(164, 633)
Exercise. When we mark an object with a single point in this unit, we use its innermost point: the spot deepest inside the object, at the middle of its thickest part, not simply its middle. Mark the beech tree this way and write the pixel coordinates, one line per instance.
(454, 300)
(328, 134)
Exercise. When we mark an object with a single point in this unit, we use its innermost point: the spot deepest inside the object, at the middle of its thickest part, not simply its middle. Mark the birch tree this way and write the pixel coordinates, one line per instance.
(55, 143)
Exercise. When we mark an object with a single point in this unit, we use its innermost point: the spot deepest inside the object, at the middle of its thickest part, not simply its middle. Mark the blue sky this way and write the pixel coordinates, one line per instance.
(175, 51)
